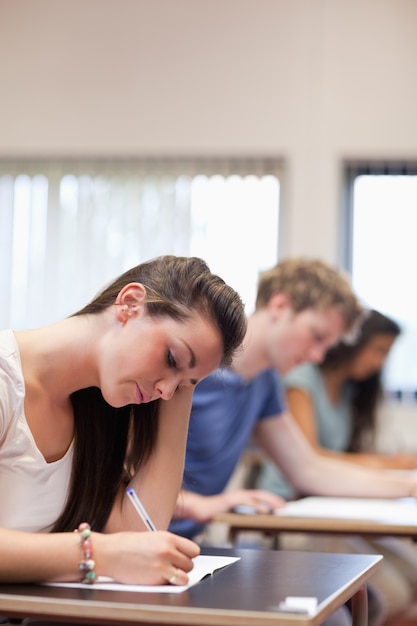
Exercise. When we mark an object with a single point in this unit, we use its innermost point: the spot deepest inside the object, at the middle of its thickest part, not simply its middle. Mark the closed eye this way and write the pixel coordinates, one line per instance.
(318, 338)
(170, 359)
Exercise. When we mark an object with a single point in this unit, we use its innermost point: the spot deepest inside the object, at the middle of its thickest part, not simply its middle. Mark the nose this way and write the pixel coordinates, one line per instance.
(375, 366)
(379, 362)
(166, 388)
(317, 354)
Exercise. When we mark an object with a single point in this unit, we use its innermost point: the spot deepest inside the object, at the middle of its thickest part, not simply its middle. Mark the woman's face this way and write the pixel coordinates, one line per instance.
(146, 358)
(371, 358)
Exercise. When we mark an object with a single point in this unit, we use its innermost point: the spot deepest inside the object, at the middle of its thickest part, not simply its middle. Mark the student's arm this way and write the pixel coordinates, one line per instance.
(131, 557)
(138, 558)
(301, 407)
(309, 472)
(158, 482)
(203, 508)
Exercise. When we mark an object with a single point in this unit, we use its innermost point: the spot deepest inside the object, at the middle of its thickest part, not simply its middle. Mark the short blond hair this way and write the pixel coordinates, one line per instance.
(310, 284)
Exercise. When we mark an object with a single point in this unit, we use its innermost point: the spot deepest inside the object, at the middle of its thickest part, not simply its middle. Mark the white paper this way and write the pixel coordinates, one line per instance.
(389, 510)
(203, 565)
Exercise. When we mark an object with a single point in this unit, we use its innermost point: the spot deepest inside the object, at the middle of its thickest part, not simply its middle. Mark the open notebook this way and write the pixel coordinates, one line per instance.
(204, 565)
(389, 510)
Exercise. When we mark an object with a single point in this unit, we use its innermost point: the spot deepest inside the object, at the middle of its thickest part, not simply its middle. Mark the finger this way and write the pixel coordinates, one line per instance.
(182, 562)
(267, 499)
(187, 547)
(178, 577)
(280, 505)
(263, 507)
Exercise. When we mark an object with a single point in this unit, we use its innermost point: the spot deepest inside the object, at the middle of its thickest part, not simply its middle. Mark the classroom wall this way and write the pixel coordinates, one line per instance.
(312, 81)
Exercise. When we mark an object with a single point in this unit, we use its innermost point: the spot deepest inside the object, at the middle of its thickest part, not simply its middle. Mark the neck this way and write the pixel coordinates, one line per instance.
(58, 358)
(334, 380)
(252, 358)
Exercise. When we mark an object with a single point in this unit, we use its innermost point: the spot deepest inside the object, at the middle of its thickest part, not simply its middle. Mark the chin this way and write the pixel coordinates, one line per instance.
(116, 403)
(291, 366)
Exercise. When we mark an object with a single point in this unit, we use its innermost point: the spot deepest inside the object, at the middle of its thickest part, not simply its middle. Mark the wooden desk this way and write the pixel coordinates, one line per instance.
(275, 524)
(247, 592)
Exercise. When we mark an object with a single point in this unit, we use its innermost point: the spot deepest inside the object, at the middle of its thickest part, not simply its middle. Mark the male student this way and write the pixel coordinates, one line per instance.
(302, 308)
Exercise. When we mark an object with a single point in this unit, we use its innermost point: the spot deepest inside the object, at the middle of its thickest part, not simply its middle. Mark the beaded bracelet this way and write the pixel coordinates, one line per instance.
(87, 565)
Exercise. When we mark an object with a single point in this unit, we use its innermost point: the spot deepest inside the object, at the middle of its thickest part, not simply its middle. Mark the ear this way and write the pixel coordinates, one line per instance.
(130, 301)
(277, 303)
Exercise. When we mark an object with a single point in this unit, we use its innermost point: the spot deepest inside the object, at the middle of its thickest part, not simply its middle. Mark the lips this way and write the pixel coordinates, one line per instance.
(146, 397)
(141, 396)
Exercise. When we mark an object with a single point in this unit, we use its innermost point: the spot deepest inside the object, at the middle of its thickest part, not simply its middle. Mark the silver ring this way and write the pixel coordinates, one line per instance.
(173, 578)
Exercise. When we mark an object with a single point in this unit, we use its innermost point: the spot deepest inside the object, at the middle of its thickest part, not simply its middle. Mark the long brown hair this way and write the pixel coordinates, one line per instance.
(110, 444)
(366, 393)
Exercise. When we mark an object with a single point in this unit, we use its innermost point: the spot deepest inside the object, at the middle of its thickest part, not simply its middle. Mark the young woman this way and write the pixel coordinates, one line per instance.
(100, 401)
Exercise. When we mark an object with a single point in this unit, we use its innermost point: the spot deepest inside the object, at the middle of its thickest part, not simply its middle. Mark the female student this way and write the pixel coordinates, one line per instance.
(335, 404)
(100, 401)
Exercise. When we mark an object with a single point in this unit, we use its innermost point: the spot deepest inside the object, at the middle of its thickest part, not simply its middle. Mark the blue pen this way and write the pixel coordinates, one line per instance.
(140, 508)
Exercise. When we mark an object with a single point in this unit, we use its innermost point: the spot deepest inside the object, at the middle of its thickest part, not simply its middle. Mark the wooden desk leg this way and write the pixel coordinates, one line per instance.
(359, 607)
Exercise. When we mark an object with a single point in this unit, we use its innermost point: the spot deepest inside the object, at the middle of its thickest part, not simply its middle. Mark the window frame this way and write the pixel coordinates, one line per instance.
(353, 169)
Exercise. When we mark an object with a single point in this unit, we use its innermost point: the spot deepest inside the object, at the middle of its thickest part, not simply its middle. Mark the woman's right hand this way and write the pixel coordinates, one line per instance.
(144, 558)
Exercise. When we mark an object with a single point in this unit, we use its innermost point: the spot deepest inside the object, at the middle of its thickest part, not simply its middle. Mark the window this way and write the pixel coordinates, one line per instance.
(68, 228)
(382, 257)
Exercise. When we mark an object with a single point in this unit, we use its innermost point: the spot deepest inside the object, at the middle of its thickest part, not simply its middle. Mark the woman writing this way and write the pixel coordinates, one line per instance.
(100, 401)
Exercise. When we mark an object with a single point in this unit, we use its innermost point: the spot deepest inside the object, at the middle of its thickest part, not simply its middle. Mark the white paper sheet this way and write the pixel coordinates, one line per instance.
(395, 510)
(203, 565)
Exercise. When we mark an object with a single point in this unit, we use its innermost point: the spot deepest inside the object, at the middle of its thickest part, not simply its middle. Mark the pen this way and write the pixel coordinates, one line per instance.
(140, 508)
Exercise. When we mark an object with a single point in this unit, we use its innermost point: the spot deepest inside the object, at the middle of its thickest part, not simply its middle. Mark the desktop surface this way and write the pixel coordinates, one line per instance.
(250, 590)
(363, 516)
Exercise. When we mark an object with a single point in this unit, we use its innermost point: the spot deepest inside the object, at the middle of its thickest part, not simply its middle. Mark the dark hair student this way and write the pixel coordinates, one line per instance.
(99, 401)
(363, 359)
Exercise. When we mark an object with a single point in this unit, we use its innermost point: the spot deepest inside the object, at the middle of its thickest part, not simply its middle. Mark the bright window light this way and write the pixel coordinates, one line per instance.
(384, 259)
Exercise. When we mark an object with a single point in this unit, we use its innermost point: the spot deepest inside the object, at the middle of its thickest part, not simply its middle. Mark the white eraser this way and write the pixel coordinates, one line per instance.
(300, 603)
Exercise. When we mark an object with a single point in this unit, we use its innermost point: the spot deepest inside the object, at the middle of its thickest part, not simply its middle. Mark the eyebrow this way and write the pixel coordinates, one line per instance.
(191, 364)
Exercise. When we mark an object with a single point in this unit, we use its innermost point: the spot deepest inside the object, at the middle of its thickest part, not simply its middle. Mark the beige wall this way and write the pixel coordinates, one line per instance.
(312, 81)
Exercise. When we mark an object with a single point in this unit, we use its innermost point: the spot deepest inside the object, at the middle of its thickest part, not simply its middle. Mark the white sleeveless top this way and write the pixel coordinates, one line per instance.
(32, 491)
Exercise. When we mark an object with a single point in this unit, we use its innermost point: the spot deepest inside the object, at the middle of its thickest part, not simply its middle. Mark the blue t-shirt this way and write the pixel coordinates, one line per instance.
(225, 410)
